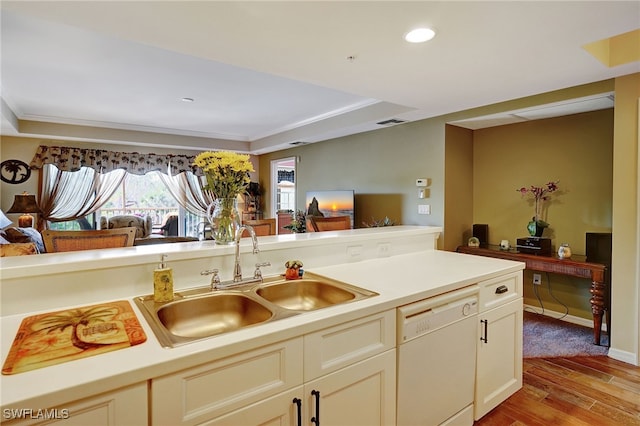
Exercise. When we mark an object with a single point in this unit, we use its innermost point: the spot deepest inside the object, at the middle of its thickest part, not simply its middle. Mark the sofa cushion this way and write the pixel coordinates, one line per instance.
(17, 249)
(143, 224)
(25, 235)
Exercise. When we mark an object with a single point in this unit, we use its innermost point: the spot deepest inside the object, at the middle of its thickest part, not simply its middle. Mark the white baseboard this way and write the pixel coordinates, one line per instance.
(559, 315)
(624, 356)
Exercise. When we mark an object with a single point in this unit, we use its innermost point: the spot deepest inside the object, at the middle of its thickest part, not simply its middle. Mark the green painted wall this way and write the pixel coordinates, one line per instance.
(381, 166)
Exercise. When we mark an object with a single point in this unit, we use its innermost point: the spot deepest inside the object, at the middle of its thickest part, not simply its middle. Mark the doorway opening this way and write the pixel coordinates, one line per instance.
(283, 190)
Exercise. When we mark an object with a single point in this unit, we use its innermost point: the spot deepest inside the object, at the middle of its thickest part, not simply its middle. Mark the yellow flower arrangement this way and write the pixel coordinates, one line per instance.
(227, 173)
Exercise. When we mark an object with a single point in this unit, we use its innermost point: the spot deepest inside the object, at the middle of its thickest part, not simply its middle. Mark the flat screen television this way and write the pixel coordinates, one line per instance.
(333, 203)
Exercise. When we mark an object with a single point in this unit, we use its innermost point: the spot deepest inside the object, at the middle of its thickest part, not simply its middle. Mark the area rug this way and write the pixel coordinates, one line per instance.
(546, 337)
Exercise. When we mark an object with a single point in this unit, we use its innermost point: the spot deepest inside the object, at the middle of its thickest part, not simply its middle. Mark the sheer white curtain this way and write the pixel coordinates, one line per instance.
(186, 188)
(68, 196)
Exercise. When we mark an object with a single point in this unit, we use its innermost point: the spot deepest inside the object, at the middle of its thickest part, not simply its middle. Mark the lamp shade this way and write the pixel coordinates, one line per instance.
(4, 221)
(24, 203)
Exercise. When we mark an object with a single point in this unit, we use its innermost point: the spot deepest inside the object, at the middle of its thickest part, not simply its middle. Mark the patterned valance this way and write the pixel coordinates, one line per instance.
(102, 161)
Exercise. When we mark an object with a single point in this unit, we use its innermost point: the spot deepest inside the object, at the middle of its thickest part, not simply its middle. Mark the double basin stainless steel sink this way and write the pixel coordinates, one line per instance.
(200, 313)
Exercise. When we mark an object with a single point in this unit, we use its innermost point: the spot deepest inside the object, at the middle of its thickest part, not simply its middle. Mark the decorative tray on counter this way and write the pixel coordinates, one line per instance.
(56, 337)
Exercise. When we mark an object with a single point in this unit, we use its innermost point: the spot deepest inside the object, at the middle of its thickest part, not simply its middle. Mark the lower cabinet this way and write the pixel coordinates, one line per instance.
(126, 406)
(284, 409)
(362, 394)
(343, 375)
(499, 356)
(210, 391)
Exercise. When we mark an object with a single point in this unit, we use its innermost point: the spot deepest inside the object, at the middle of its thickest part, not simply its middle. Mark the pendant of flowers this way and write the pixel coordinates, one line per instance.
(227, 175)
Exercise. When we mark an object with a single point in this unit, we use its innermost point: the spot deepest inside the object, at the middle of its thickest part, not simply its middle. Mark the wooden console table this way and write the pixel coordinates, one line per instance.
(575, 266)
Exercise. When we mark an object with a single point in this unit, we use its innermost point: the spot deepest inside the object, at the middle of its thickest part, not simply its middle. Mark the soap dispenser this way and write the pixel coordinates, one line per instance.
(163, 282)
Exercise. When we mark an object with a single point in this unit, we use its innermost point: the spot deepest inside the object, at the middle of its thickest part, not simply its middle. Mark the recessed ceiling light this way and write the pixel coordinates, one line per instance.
(187, 99)
(420, 35)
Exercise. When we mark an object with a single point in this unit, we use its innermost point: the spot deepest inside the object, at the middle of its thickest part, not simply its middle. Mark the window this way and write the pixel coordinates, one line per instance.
(143, 195)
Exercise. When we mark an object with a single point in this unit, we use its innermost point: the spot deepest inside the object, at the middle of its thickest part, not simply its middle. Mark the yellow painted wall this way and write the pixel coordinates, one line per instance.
(577, 150)
(458, 175)
(626, 252)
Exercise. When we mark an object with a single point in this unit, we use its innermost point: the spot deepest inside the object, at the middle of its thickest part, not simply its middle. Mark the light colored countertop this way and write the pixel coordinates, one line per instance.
(399, 280)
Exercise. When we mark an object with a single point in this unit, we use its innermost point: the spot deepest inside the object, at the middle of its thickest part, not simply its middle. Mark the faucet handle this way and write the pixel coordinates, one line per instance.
(215, 279)
(257, 274)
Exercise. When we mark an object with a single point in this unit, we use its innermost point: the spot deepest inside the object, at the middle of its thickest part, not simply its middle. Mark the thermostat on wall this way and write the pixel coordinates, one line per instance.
(421, 182)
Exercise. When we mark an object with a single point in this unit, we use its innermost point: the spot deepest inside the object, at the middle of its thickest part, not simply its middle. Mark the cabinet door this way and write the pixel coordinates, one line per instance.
(499, 366)
(280, 410)
(203, 393)
(361, 394)
(127, 406)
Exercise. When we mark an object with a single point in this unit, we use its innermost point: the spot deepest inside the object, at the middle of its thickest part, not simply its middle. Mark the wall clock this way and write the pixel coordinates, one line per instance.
(14, 171)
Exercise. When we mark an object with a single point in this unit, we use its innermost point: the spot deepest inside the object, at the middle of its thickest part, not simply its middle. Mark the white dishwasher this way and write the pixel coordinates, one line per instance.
(437, 340)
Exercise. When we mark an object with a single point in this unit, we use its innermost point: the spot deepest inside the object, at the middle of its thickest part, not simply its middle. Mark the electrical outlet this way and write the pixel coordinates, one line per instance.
(424, 209)
(354, 252)
(384, 249)
(537, 279)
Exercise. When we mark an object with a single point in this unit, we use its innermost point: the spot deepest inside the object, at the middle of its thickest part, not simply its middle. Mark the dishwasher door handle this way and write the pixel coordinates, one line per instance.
(485, 339)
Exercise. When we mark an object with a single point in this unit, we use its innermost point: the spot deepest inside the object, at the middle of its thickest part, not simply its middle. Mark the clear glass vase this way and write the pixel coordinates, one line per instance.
(224, 218)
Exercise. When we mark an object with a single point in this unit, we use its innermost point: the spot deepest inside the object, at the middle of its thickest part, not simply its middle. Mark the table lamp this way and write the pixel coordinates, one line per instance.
(25, 204)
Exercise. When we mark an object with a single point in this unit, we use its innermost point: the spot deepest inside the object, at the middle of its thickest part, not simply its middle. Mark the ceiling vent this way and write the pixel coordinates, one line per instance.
(390, 122)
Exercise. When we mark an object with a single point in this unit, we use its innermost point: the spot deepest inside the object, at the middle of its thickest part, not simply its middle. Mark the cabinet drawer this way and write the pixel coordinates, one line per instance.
(330, 349)
(211, 390)
(500, 290)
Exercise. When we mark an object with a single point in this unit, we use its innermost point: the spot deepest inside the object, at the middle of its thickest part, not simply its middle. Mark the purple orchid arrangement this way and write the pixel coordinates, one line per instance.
(540, 194)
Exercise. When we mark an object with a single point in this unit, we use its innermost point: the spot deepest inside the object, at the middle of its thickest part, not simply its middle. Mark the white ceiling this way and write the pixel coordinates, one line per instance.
(266, 74)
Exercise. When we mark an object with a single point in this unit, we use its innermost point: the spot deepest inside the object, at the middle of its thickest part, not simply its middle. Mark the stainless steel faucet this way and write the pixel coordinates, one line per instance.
(237, 270)
(216, 284)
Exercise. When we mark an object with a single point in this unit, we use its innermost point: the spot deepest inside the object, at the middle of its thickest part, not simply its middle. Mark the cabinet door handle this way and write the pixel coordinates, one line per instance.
(486, 336)
(298, 402)
(502, 289)
(316, 418)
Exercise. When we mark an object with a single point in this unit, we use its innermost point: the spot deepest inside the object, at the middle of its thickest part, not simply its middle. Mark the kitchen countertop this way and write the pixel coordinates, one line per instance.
(398, 279)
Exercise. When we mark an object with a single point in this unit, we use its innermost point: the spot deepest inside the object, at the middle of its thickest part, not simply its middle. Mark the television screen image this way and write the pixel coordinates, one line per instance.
(333, 203)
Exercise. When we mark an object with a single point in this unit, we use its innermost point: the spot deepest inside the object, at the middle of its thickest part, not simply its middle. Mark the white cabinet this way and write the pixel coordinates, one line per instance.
(499, 352)
(127, 406)
(361, 394)
(352, 366)
(281, 409)
(209, 391)
(350, 373)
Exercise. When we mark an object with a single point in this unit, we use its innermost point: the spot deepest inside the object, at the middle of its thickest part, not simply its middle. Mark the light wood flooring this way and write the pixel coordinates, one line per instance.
(589, 391)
